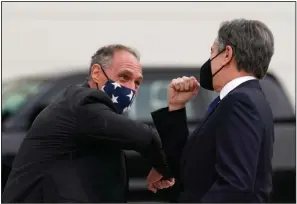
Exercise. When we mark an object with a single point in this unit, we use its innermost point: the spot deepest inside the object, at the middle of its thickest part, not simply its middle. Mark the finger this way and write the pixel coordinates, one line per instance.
(166, 184)
(153, 176)
(177, 84)
(194, 80)
(170, 182)
(197, 87)
(186, 81)
(152, 188)
(158, 185)
(174, 84)
(195, 83)
(182, 84)
(191, 84)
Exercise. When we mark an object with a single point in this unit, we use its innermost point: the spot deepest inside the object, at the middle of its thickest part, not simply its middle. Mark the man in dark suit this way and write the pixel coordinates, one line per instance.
(228, 157)
(74, 150)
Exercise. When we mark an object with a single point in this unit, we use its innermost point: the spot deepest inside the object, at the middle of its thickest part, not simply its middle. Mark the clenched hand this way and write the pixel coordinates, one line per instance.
(155, 182)
(181, 90)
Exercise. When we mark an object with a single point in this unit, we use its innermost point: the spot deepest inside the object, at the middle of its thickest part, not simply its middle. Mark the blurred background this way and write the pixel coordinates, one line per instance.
(47, 46)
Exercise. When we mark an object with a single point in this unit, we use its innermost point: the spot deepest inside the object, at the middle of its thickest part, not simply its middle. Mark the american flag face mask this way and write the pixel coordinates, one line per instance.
(122, 97)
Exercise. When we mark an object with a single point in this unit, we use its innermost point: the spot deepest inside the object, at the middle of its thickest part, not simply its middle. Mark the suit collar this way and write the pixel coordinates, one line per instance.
(234, 84)
(251, 84)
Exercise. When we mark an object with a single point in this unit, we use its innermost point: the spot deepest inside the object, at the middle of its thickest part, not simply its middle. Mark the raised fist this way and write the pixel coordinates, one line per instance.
(181, 90)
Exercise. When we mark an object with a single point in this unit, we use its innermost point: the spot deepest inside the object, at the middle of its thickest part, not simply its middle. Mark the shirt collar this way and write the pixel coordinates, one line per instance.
(233, 84)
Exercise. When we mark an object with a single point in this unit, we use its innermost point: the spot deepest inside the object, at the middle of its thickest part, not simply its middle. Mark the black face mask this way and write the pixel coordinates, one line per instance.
(205, 74)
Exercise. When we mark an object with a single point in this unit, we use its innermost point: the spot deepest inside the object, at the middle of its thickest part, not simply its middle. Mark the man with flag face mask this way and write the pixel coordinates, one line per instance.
(121, 96)
(74, 150)
(228, 157)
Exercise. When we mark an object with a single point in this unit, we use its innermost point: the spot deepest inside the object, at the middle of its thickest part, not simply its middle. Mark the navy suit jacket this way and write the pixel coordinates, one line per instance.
(228, 157)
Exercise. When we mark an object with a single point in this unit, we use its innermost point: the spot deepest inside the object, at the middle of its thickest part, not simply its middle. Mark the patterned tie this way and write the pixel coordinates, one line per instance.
(213, 104)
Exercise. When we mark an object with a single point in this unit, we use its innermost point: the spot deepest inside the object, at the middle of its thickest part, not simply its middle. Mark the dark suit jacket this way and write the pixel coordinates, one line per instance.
(228, 157)
(74, 152)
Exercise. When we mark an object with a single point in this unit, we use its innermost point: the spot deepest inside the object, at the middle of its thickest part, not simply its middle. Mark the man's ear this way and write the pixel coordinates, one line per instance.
(228, 54)
(95, 72)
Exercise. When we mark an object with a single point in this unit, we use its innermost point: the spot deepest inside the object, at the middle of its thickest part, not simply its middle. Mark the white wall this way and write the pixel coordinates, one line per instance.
(49, 37)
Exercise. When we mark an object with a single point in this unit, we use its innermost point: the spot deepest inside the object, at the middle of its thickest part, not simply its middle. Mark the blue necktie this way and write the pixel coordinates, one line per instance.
(213, 104)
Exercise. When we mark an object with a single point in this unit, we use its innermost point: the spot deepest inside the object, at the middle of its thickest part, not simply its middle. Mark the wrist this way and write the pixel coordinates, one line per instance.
(175, 107)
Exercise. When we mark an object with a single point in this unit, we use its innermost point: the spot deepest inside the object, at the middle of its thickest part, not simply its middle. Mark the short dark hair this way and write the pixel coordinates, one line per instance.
(252, 43)
(104, 55)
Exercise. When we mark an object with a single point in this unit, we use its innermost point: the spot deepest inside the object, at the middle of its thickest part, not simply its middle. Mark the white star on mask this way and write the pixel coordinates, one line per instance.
(130, 95)
(114, 99)
(116, 85)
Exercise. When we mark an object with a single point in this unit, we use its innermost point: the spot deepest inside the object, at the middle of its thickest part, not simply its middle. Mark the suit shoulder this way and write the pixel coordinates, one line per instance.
(251, 100)
(239, 100)
(80, 96)
(247, 95)
(236, 97)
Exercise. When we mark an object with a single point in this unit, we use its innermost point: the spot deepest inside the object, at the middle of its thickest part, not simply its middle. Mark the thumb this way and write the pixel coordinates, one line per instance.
(152, 188)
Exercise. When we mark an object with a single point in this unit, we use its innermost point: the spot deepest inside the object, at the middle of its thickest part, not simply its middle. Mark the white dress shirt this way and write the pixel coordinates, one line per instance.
(233, 84)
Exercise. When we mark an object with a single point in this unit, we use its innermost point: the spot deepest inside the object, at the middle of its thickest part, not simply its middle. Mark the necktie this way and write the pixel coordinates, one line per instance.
(213, 104)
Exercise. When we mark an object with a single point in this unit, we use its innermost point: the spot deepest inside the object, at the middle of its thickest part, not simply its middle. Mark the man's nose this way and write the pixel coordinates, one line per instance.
(131, 85)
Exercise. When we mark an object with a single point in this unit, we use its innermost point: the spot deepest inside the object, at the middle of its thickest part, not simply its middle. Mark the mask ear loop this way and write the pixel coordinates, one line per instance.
(218, 71)
(103, 73)
(218, 54)
(222, 66)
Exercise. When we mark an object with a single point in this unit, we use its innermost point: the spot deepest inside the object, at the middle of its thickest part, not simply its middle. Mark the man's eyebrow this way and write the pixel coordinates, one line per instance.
(128, 72)
(140, 78)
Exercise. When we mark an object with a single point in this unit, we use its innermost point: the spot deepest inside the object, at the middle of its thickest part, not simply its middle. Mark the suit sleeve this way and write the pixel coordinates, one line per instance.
(98, 122)
(173, 130)
(238, 143)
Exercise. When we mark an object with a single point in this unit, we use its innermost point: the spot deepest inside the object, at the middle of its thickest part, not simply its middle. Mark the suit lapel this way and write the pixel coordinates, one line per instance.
(190, 141)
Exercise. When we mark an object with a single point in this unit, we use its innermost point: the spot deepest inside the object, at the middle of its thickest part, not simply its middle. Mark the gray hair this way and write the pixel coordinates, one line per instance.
(104, 55)
(252, 43)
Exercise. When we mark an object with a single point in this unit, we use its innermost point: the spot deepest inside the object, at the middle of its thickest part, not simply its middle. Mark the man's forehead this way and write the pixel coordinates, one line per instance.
(136, 72)
(123, 56)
